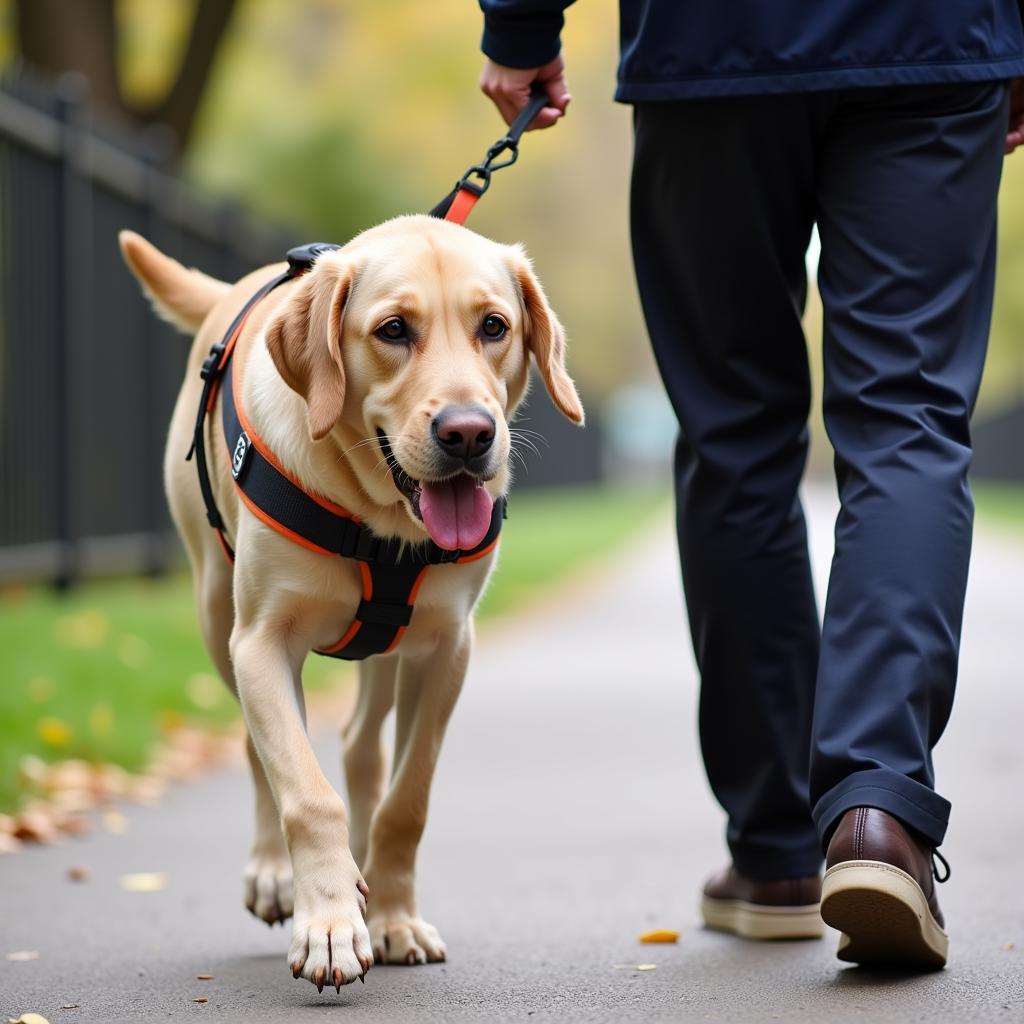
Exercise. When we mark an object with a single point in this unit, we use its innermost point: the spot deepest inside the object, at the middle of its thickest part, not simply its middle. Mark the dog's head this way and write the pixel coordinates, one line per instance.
(413, 343)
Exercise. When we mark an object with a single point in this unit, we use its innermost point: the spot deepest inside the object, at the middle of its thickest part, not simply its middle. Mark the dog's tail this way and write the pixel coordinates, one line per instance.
(181, 296)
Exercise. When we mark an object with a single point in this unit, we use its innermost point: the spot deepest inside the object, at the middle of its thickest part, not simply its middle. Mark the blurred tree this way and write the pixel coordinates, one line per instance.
(83, 36)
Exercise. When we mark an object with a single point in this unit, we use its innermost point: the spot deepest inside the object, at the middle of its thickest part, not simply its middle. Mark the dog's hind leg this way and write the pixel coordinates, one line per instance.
(425, 694)
(268, 875)
(365, 758)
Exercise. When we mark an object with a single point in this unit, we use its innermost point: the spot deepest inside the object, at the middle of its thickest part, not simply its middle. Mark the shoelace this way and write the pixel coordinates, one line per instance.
(938, 859)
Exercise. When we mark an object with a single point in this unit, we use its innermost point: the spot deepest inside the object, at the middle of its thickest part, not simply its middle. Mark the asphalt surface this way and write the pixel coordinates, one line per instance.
(570, 813)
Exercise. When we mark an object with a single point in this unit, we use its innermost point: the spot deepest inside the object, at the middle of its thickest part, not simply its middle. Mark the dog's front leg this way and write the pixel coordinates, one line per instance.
(425, 694)
(330, 943)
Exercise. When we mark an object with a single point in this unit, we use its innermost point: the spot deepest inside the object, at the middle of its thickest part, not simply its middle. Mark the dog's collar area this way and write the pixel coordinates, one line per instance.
(392, 570)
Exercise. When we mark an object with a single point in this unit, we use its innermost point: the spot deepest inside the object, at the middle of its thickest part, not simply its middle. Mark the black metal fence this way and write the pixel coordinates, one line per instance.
(88, 376)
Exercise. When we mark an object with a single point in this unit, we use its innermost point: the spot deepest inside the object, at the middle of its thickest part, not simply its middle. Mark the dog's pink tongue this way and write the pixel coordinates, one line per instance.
(456, 513)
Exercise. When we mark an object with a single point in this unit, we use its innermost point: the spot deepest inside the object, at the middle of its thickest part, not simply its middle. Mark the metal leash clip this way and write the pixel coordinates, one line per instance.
(477, 180)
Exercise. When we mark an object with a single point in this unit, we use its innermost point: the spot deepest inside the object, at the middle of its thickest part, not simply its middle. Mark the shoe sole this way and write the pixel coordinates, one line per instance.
(884, 917)
(756, 921)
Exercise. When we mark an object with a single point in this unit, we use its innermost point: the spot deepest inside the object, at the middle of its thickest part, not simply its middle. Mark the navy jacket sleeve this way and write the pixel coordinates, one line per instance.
(522, 33)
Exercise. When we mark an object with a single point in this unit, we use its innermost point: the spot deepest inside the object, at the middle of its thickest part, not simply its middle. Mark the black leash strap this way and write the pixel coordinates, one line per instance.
(505, 152)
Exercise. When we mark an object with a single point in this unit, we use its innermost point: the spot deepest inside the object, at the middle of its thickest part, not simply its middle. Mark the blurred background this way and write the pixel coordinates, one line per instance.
(226, 132)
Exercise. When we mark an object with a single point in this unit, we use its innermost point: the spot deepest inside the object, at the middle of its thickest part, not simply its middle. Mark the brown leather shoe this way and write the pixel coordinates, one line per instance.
(784, 909)
(879, 891)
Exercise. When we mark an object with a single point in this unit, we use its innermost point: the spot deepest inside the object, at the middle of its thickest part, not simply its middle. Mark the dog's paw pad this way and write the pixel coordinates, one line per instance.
(402, 939)
(268, 889)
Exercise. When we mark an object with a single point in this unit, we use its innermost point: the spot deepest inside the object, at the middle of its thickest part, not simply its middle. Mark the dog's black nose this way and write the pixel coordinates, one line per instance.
(464, 431)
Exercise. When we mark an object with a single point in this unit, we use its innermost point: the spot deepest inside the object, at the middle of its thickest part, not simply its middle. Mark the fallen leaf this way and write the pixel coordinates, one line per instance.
(115, 823)
(110, 780)
(201, 999)
(74, 774)
(79, 873)
(54, 732)
(85, 630)
(21, 955)
(35, 822)
(146, 789)
(32, 771)
(75, 825)
(28, 1018)
(660, 935)
(145, 881)
(646, 967)
(204, 977)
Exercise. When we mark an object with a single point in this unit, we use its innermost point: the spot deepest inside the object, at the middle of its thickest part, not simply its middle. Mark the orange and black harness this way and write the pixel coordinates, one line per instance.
(392, 570)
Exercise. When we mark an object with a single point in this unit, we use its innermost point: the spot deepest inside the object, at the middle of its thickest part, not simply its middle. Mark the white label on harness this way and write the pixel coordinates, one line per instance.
(241, 451)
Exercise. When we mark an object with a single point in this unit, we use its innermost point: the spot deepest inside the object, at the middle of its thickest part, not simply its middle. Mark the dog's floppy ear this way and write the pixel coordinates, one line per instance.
(545, 338)
(304, 340)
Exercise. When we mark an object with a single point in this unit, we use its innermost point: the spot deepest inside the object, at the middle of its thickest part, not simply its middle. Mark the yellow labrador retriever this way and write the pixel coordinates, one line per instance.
(383, 381)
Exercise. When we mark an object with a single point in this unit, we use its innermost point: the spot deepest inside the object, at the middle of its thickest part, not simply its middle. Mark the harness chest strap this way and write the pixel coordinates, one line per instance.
(392, 571)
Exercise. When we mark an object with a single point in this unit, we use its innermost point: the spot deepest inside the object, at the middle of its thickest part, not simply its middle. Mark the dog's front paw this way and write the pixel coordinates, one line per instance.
(330, 943)
(400, 938)
(268, 887)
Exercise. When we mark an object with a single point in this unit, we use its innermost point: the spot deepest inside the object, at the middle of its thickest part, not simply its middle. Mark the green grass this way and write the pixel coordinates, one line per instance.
(102, 672)
(1000, 505)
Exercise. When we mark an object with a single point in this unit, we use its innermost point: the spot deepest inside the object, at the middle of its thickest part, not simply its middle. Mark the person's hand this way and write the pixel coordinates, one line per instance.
(509, 88)
(1015, 133)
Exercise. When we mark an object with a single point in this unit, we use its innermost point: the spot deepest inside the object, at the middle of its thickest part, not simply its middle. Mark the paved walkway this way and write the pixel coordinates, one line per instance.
(570, 814)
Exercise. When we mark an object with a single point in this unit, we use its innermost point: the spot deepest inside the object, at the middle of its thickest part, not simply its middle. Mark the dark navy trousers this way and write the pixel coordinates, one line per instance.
(797, 723)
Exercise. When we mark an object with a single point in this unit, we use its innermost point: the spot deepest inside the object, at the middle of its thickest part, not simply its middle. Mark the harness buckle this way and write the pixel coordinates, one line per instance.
(366, 547)
(302, 257)
(211, 364)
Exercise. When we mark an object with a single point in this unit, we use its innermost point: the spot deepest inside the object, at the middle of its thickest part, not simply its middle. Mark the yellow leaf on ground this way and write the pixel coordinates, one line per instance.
(54, 732)
(660, 935)
(22, 955)
(28, 1018)
(646, 967)
(146, 881)
(84, 630)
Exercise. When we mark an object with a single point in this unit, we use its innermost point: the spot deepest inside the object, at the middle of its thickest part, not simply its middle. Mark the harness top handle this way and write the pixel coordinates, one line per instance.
(457, 205)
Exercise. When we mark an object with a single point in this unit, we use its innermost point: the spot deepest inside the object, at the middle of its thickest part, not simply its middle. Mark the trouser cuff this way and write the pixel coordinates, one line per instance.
(917, 806)
(769, 863)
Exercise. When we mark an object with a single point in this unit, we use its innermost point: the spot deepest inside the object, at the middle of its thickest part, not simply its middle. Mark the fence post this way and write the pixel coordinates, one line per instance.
(156, 150)
(73, 293)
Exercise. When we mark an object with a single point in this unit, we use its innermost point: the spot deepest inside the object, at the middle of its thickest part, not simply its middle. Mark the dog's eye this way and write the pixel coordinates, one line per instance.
(395, 331)
(493, 328)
